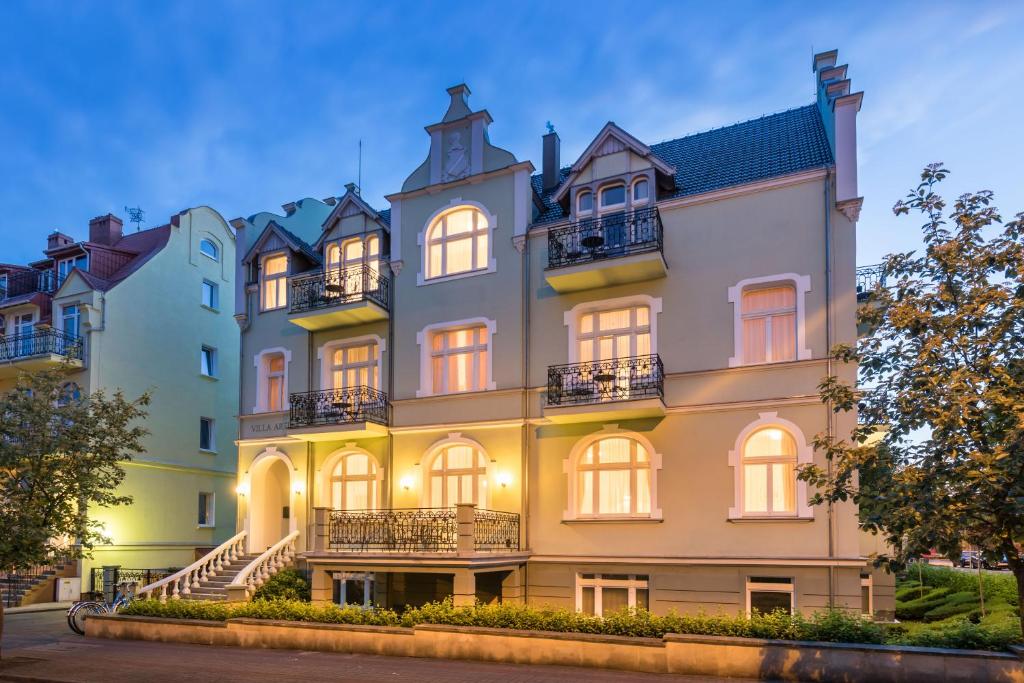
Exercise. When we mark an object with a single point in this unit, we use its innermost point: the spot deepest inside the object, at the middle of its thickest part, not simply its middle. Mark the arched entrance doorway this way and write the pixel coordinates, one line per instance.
(270, 515)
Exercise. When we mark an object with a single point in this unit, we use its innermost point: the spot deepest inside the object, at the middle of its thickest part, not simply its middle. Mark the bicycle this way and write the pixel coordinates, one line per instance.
(82, 609)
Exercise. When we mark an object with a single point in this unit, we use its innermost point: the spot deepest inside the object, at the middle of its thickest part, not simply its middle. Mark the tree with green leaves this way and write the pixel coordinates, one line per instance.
(937, 458)
(61, 455)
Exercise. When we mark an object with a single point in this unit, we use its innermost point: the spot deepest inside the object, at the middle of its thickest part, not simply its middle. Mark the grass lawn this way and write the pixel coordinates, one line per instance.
(942, 606)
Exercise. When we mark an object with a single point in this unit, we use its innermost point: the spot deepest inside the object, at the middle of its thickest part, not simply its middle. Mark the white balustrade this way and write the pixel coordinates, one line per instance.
(262, 568)
(184, 580)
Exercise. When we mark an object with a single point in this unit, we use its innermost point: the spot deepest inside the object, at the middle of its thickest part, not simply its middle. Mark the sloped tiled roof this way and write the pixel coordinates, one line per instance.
(771, 146)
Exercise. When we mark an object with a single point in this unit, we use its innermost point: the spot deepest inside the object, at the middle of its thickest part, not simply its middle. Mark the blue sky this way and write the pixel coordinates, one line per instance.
(247, 105)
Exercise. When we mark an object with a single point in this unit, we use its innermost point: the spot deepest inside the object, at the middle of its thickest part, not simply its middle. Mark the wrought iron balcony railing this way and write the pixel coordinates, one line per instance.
(619, 379)
(419, 530)
(28, 282)
(40, 342)
(338, 406)
(336, 286)
(608, 236)
(867, 278)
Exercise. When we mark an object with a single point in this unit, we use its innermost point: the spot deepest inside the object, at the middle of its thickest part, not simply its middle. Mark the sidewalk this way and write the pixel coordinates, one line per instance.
(39, 607)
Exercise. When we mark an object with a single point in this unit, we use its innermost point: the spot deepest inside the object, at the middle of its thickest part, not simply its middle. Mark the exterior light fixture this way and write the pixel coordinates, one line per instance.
(504, 479)
(242, 489)
(298, 487)
(405, 482)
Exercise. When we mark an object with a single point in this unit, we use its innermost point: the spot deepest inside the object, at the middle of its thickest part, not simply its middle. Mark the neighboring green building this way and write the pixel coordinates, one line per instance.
(148, 310)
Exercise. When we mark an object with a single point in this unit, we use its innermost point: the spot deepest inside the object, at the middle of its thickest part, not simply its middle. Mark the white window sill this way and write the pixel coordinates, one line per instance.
(759, 520)
(612, 520)
(206, 526)
(208, 451)
(261, 411)
(211, 309)
(490, 387)
(209, 377)
(422, 281)
(271, 310)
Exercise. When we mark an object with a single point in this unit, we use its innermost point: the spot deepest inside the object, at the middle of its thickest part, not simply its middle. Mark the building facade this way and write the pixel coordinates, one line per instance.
(587, 386)
(143, 311)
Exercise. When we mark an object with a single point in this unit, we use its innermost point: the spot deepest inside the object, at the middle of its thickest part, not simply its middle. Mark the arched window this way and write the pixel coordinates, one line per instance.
(613, 197)
(769, 472)
(457, 474)
(209, 249)
(354, 483)
(584, 203)
(457, 242)
(613, 477)
(641, 191)
(769, 324)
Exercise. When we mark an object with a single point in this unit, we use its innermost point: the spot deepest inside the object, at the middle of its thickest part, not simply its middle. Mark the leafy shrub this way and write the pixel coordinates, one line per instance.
(962, 633)
(954, 604)
(287, 584)
(915, 609)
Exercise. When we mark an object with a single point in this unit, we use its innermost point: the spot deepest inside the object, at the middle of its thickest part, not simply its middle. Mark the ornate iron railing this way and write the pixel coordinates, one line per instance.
(18, 346)
(337, 286)
(608, 236)
(619, 379)
(140, 577)
(28, 282)
(868, 277)
(419, 530)
(338, 406)
(493, 530)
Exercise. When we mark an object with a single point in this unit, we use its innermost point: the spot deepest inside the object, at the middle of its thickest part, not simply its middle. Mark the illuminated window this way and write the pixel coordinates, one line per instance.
(613, 477)
(617, 333)
(354, 483)
(275, 381)
(769, 473)
(457, 242)
(769, 324)
(601, 594)
(271, 380)
(355, 366)
(274, 287)
(459, 360)
(457, 474)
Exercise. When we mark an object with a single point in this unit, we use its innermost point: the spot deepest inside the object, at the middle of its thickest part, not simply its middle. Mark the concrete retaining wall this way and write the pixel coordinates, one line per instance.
(679, 654)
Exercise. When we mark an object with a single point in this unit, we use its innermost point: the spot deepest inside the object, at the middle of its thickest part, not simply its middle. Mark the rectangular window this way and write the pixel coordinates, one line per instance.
(210, 294)
(769, 324)
(601, 594)
(867, 598)
(766, 594)
(208, 361)
(206, 509)
(275, 387)
(274, 287)
(459, 360)
(206, 434)
(354, 366)
(65, 266)
(71, 320)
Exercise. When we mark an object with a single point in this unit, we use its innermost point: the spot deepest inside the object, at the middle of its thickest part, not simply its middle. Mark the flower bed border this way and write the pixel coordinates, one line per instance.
(674, 653)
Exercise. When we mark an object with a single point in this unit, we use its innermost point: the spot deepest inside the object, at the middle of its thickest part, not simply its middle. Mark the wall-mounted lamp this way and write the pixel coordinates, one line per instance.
(242, 489)
(298, 487)
(504, 479)
(405, 482)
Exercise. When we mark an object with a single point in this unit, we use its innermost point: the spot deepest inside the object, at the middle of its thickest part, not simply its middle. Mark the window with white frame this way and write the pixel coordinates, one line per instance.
(769, 463)
(457, 242)
(616, 333)
(613, 478)
(207, 439)
(641, 191)
(209, 249)
(206, 509)
(65, 266)
(767, 594)
(601, 594)
(71, 320)
(211, 294)
(457, 474)
(584, 203)
(208, 361)
(769, 324)
(458, 360)
(353, 264)
(274, 382)
(354, 483)
(274, 282)
(355, 366)
(613, 197)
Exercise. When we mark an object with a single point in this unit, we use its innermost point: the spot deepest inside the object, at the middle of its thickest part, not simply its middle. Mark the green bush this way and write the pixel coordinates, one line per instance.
(962, 633)
(915, 609)
(954, 604)
(287, 584)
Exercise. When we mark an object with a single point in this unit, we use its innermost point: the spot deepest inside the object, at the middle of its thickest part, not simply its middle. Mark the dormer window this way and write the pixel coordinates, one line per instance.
(613, 197)
(641, 191)
(584, 203)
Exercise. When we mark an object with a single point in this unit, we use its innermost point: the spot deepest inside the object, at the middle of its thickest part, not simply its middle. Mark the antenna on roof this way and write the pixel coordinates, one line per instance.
(359, 175)
(136, 216)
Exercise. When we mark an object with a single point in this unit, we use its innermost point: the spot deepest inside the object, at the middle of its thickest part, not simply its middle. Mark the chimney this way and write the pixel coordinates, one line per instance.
(57, 239)
(352, 188)
(551, 164)
(105, 229)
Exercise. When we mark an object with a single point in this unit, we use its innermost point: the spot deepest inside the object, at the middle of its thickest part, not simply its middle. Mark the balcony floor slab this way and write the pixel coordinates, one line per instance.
(607, 272)
(342, 315)
(11, 368)
(336, 432)
(608, 411)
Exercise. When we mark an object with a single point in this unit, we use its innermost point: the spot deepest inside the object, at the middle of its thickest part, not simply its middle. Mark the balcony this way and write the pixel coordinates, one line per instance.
(332, 414)
(27, 282)
(45, 347)
(867, 278)
(337, 297)
(463, 531)
(607, 250)
(617, 389)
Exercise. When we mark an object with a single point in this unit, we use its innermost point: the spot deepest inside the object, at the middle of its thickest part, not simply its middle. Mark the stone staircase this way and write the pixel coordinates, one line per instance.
(14, 588)
(215, 587)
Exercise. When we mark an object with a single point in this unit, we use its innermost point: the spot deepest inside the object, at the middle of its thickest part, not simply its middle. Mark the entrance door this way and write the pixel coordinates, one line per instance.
(269, 514)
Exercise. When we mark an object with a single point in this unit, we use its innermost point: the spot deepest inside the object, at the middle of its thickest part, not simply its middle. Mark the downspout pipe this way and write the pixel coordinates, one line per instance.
(829, 415)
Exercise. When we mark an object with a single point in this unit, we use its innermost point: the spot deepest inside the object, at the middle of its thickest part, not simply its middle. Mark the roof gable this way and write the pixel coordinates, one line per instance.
(273, 238)
(350, 205)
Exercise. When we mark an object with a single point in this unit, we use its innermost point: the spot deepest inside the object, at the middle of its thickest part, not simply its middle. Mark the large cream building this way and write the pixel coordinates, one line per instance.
(589, 386)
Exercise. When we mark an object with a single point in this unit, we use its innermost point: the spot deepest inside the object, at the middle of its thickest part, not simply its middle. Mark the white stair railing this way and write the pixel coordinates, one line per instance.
(184, 580)
(262, 568)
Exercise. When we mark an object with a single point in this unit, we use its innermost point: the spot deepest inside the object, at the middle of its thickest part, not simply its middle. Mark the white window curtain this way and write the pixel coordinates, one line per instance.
(458, 474)
(769, 473)
(355, 366)
(769, 324)
(459, 360)
(457, 242)
(275, 388)
(275, 282)
(354, 483)
(613, 477)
